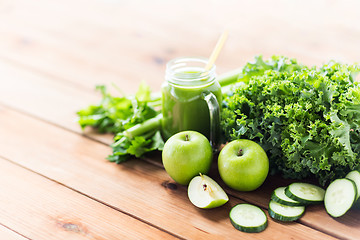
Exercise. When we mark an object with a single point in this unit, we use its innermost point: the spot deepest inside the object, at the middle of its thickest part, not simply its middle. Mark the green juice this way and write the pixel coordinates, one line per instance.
(183, 104)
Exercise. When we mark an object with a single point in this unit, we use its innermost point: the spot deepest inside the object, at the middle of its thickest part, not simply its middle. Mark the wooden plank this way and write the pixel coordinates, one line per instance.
(117, 42)
(42, 209)
(135, 187)
(7, 234)
(42, 43)
(46, 98)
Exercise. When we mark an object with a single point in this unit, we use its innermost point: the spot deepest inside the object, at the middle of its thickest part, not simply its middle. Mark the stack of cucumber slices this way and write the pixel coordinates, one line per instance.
(288, 203)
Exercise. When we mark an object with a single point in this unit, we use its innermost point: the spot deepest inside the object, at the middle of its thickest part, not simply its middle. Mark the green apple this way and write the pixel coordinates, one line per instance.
(243, 165)
(185, 155)
(204, 192)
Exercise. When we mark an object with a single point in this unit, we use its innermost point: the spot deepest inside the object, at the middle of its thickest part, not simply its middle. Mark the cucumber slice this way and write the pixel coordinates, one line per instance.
(279, 196)
(248, 218)
(285, 213)
(355, 176)
(340, 196)
(305, 193)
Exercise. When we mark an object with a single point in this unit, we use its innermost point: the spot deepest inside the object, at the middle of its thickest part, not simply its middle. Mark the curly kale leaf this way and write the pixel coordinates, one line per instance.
(259, 66)
(307, 119)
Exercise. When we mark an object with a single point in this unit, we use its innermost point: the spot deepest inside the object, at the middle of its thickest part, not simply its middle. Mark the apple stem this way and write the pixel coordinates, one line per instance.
(187, 137)
(240, 153)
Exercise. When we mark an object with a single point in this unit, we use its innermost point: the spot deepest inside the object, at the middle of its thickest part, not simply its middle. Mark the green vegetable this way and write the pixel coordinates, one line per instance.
(248, 218)
(355, 176)
(305, 193)
(116, 114)
(133, 119)
(279, 196)
(137, 140)
(340, 197)
(306, 119)
(285, 213)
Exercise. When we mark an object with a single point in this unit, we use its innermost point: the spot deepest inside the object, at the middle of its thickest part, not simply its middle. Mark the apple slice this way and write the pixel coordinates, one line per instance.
(204, 192)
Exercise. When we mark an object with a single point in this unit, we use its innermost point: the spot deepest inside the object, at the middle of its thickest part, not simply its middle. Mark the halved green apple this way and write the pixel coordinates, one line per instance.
(204, 192)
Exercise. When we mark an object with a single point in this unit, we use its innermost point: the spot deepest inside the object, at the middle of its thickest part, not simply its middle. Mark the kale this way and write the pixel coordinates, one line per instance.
(306, 119)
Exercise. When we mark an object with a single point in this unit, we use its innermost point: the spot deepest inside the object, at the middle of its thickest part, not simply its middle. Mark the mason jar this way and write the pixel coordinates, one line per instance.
(191, 98)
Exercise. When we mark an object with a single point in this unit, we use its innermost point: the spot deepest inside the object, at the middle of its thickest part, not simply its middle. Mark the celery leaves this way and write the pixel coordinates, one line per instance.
(133, 119)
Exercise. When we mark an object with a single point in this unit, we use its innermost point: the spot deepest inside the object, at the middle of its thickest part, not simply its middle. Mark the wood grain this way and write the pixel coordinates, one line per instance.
(43, 97)
(43, 209)
(125, 42)
(8, 234)
(135, 187)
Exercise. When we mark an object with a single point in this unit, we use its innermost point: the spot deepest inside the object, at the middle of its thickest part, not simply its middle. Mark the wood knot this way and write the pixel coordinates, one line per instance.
(169, 185)
(71, 226)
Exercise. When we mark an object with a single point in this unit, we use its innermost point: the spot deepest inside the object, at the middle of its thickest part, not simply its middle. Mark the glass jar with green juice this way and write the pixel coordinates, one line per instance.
(191, 99)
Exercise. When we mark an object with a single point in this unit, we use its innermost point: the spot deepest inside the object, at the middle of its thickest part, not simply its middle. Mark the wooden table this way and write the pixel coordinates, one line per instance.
(55, 182)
